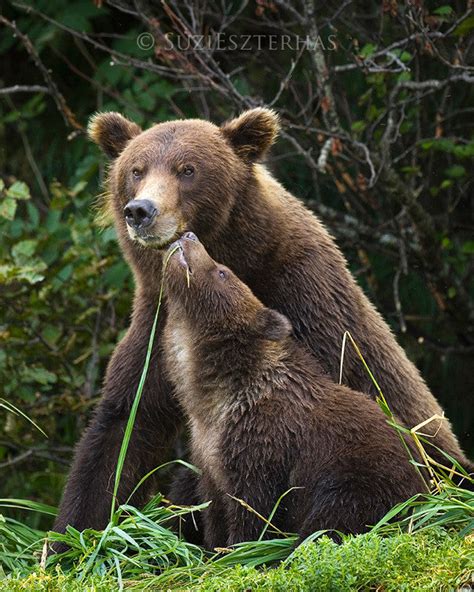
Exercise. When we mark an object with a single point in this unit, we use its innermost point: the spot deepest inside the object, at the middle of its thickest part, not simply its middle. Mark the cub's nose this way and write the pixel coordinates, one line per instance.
(139, 213)
(190, 236)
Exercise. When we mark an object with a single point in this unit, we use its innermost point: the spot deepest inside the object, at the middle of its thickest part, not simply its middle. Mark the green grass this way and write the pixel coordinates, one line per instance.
(431, 547)
(432, 560)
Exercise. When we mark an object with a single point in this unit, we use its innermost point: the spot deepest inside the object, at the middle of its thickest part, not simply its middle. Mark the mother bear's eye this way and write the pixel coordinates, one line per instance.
(222, 274)
(187, 171)
(137, 174)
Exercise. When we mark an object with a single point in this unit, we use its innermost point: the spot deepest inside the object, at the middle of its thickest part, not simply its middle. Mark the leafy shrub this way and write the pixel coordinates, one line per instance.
(68, 293)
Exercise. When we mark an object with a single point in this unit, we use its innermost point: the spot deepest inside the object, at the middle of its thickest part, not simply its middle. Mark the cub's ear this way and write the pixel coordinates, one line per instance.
(272, 325)
(112, 132)
(252, 133)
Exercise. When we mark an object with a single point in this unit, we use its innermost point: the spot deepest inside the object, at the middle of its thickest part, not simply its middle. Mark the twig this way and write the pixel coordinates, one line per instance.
(433, 84)
(17, 459)
(323, 155)
(68, 115)
(285, 81)
(398, 304)
(20, 88)
(368, 159)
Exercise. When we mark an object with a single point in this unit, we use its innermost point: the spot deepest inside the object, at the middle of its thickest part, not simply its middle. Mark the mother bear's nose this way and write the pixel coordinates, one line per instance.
(139, 213)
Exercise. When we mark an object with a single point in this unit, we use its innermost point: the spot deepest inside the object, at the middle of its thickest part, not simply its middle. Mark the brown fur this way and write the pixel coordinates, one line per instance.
(264, 417)
(247, 220)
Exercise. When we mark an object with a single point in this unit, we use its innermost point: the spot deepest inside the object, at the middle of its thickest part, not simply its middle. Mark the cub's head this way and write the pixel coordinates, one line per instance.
(213, 298)
(181, 175)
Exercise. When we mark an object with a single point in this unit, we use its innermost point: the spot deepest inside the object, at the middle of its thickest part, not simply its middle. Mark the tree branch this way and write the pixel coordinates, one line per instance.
(19, 88)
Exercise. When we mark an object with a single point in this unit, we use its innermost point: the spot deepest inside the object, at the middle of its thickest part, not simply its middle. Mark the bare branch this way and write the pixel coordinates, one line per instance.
(433, 84)
(19, 88)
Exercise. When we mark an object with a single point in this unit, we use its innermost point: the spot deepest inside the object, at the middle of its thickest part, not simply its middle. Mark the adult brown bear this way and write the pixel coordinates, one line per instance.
(266, 420)
(193, 175)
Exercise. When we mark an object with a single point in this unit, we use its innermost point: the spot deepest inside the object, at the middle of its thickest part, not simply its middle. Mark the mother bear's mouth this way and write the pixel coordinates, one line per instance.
(147, 238)
(157, 242)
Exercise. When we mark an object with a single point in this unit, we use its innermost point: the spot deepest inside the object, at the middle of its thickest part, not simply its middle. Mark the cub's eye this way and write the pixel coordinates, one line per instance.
(188, 171)
(137, 174)
(222, 274)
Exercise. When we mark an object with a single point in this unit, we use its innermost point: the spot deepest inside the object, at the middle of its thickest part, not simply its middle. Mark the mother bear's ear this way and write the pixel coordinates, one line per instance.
(252, 133)
(111, 132)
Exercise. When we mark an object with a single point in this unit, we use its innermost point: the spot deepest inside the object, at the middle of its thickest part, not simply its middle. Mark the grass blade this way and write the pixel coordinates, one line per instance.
(138, 395)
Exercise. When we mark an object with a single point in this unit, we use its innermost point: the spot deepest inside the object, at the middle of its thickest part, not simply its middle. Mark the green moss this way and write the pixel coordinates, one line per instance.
(432, 561)
(47, 582)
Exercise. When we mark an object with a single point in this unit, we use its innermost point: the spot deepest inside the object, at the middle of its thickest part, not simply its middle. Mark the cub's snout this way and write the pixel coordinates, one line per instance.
(190, 236)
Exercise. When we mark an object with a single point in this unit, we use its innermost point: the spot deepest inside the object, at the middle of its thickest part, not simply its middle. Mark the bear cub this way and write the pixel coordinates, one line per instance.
(265, 418)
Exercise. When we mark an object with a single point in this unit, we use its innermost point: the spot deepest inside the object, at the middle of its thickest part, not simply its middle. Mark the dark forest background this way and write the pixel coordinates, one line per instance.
(376, 102)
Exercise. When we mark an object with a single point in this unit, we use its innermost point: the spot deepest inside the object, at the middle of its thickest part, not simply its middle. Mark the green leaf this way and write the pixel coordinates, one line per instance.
(446, 184)
(410, 170)
(464, 150)
(446, 243)
(33, 213)
(18, 190)
(38, 374)
(358, 126)
(443, 10)
(52, 221)
(24, 250)
(367, 50)
(79, 15)
(456, 171)
(468, 248)
(51, 334)
(465, 27)
(8, 208)
(5, 273)
(30, 273)
(405, 56)
(116, 275)
(404, 77)
(32, 277)
(439, 144)
(78, 187)
(65, 273)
